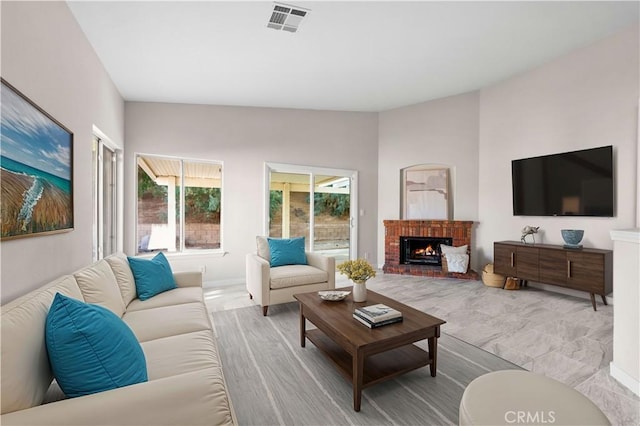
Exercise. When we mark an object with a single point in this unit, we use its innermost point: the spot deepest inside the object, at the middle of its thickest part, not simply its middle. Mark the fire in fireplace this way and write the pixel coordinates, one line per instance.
(422, 250)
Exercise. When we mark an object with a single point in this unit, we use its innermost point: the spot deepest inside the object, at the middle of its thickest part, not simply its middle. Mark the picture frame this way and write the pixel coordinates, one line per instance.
(36, 166)
(425, 193)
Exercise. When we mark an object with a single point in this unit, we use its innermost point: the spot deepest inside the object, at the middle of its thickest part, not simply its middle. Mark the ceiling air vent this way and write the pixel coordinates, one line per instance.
(286, 18)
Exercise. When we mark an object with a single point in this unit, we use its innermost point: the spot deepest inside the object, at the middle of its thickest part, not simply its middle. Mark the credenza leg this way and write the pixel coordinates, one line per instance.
(604, 299)
(593, 301)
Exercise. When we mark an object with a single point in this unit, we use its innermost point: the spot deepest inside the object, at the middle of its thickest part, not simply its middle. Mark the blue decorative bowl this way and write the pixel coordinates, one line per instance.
(572, 237)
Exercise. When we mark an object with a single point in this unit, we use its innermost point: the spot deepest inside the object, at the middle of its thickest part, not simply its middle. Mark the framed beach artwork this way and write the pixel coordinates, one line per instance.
(36, 166)
(425, 193)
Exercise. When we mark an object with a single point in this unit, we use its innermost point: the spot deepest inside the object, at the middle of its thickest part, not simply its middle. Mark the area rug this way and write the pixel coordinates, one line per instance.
(274, 381)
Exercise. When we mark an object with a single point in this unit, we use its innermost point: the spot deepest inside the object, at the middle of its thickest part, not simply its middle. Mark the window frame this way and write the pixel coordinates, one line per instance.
(312, 171)
(101, 142)
(181, 249)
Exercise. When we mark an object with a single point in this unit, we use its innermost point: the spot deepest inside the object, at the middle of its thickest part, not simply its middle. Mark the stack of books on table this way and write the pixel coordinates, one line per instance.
(377, 315)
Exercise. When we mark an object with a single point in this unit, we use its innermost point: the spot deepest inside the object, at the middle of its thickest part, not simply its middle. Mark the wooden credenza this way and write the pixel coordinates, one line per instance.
(586, 269)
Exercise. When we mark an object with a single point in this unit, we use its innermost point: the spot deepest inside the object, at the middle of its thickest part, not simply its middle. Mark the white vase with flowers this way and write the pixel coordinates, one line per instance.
(358, 271)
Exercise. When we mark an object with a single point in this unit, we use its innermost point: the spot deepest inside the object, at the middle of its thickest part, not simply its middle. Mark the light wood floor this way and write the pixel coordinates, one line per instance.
(548, 333)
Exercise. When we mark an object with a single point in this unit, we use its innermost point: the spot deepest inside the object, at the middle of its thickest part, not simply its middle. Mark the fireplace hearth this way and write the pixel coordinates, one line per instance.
(422, 250)
(423, 262)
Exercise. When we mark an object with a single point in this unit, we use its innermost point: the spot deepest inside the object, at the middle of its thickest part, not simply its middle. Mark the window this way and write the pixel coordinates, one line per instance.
(317, 203)
(161, 225)
(105, 198)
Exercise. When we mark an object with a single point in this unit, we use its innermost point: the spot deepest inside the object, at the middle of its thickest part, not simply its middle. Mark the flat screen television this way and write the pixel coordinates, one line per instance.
(577, 183)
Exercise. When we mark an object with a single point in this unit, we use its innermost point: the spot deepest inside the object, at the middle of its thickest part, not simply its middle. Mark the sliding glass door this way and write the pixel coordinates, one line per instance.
(289, 205)
(332, 216)
(316, 203)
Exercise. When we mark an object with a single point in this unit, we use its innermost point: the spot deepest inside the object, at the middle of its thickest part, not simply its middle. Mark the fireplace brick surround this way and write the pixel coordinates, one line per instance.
(459, 231)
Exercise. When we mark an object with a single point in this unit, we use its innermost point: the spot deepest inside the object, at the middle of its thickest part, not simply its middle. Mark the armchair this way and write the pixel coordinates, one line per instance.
(274, 285)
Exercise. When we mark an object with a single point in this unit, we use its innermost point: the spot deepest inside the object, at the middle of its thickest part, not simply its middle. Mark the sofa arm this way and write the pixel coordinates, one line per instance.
(196, 398)
(326, 263)
(258, 277)
(188, 279)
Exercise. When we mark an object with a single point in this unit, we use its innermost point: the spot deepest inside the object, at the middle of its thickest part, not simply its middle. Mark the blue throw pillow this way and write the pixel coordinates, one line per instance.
(287, 251)
(90, 348)
(152, 276)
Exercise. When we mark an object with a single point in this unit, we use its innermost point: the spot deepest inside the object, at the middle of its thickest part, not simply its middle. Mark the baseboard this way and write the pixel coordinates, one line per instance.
(624, 379)
(223, 283)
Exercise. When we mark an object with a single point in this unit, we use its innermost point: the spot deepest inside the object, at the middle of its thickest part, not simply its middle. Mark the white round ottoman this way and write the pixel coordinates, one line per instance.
(516, 397)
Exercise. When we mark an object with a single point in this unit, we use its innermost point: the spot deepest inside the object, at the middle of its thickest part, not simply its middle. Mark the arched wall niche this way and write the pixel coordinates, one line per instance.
(427, 191)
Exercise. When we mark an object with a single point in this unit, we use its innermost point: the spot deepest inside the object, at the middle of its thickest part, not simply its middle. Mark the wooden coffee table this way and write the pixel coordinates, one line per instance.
(367, 356)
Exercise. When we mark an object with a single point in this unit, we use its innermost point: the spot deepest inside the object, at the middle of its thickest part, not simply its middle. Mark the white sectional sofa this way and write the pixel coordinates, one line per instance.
(185, 382)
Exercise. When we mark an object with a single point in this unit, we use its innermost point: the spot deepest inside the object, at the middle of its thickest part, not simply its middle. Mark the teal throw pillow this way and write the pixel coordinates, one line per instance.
(287, 251)
(152, 276)
(90, 348)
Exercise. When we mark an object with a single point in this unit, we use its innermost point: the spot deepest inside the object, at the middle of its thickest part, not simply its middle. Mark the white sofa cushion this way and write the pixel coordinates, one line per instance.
(121, 269)
(156, 323)
(99, 286)
(177, 296)
(295, 275)
(263, 248)
(180, 354)
(26, 374)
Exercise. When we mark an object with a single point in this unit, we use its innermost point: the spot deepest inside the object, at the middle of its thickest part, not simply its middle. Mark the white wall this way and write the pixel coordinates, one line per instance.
(586, 99)
(46, 56)
(244, 139)
(445, 132)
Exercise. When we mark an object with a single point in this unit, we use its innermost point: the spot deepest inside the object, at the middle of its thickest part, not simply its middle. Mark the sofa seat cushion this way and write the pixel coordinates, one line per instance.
(26, 374)
(176, 296)
(165, 321)
(296, 275)
(180, 354)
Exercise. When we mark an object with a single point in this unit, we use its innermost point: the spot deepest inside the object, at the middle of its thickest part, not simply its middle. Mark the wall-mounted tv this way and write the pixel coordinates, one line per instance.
(577, 183)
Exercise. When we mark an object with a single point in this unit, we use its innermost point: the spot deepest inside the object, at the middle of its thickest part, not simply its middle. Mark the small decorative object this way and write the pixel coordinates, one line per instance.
(358, 271)
(529, 230)
(359, 291)
(512, 283)
(490, 278)
(333, 295)
(572, 238)
(375, 316)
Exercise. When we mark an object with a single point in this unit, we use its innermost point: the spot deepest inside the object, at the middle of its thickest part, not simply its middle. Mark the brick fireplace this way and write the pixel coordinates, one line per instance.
(395, 230)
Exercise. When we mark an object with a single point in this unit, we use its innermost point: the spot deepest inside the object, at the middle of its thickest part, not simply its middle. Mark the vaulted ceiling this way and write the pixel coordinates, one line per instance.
(349, 56)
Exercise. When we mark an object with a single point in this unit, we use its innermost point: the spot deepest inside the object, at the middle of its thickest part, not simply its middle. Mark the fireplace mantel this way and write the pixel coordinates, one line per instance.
(459, 231)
